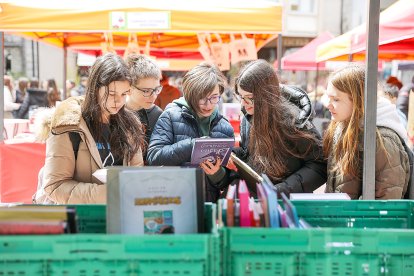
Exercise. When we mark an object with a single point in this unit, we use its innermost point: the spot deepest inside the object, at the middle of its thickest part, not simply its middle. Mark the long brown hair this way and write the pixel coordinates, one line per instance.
(342, 139)
(273, 134)
(125, 127)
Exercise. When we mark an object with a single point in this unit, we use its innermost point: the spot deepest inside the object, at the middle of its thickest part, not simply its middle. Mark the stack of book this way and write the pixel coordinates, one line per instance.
(37, 219)
(239, 209)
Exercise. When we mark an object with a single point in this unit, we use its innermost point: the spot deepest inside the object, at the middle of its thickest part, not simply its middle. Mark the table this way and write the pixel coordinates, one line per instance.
(19, 167)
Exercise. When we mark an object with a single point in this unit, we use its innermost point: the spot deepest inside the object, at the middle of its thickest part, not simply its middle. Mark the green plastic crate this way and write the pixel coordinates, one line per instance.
(357, 213)
(329, 251)
(98, 255)
(90, 218)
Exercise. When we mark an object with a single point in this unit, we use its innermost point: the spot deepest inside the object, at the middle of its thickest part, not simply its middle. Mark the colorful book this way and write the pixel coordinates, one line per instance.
(290, 211)
(261, 195)
(271, 202)
(246, 173)
(211, 149)
(244, 204)
(230, 197)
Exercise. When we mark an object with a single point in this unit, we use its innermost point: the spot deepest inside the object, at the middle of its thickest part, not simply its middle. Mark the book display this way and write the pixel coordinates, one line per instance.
(155, 200)
(211, 149)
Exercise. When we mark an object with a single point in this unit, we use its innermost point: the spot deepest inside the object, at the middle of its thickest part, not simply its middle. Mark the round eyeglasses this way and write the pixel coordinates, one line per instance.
(148, 92)
(246, 99)
(212, 100)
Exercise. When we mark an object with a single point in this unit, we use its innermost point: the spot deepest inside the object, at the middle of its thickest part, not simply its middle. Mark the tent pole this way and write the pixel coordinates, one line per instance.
(65, 65)
(370, 104)
(316, 85)
(279, 54)
(1, 87)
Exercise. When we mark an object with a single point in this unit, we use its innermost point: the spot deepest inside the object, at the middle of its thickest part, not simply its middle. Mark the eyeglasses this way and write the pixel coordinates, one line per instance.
(148, 92)
(245, 99)
(212, 100)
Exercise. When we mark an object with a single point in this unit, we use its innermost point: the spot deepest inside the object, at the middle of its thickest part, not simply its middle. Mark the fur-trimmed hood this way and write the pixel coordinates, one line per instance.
(66, 116)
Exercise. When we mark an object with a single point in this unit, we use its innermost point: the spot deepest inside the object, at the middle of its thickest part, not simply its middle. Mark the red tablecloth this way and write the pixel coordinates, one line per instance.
(19, 166)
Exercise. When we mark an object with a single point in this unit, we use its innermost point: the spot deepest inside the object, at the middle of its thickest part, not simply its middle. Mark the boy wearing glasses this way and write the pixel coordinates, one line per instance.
(145, 88)
(192, 116)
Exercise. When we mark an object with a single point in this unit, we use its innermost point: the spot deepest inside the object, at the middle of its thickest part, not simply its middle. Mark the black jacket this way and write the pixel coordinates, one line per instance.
(172, 139)
(148, 118)
(307, 173)
(34, 98)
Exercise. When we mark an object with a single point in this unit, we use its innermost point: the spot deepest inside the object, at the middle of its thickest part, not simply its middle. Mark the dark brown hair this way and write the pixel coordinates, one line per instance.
(126, 132)
(273, 134)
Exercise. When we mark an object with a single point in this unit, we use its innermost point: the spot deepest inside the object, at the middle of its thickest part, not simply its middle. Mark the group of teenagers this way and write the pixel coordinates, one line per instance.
(117, 124)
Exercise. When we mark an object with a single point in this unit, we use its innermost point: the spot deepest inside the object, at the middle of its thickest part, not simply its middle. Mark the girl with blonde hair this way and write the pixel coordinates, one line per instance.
(343, 142)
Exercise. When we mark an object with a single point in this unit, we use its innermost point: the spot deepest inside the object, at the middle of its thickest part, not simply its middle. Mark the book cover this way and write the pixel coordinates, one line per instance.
(290, 211)
(244, 204)
(150, 200)
(246, 173)
(272, 203)
(211, 149)
(230, 197)
(263, 201)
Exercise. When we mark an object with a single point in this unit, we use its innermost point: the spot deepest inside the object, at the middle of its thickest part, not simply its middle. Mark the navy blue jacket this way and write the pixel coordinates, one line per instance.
(173, 136)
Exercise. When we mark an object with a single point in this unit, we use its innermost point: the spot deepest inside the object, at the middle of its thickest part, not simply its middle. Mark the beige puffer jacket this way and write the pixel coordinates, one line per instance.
(392, 171)
(64, 179)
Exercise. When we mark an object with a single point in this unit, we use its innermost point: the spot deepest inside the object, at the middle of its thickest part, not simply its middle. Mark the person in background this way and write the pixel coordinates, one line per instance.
(34, 99)
(70, 84)
(404, 96)
(168, 94)
(391, 93)
(145, 88)
(10, 105)
(53, 94)
(81, 89)
(192, 116)
(343, 142)
(277, 136)
(107, 134)
(21, 90)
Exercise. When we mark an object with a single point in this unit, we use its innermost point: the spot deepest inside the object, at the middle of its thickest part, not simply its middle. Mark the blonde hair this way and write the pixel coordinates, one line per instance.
(200, 81)
(345, 149)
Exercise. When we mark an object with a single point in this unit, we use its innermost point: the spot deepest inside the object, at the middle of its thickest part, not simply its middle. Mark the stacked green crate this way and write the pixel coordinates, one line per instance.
(333, 250)
(329, 251)
(98, 255)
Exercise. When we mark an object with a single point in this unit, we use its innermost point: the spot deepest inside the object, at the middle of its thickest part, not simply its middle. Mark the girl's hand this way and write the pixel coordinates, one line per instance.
(231, 166)
(210, 168)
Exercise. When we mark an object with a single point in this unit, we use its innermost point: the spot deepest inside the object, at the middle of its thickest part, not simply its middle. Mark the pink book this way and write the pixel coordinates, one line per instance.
(244, 204)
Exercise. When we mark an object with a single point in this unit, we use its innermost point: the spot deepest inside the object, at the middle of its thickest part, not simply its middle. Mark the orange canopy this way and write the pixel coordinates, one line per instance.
(168, 25)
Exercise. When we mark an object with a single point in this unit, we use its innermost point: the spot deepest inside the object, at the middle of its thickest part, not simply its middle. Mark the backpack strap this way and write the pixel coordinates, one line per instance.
(75, 139)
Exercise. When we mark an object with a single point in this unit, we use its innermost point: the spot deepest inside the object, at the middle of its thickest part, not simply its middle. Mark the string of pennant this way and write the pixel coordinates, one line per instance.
(224, 54)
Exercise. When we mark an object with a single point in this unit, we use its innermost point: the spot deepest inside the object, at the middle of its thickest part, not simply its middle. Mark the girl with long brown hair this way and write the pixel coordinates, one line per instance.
(88, 133)
(278, 138)
(343, 141)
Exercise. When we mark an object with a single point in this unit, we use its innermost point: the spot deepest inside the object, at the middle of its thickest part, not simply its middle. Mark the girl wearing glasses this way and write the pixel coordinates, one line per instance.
(192, 116)
(90, 132)
(278, 138)
(145, 88)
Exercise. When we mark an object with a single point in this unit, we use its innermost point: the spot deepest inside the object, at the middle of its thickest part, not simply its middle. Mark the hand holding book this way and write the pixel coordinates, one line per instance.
(211, 168)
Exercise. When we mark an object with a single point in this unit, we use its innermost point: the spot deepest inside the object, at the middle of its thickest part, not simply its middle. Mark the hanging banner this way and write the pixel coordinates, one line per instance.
(221, 53)
(133, 46)
(243, 49)
(160, 20)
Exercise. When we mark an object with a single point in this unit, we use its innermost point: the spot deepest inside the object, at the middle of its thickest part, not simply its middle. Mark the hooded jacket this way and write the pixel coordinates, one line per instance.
(173, 136)
(305, 174)
(392, 167)
(65, 179)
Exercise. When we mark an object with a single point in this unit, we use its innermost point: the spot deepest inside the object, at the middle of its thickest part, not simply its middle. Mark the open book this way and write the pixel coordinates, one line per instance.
(211, 149)
(246, 172)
